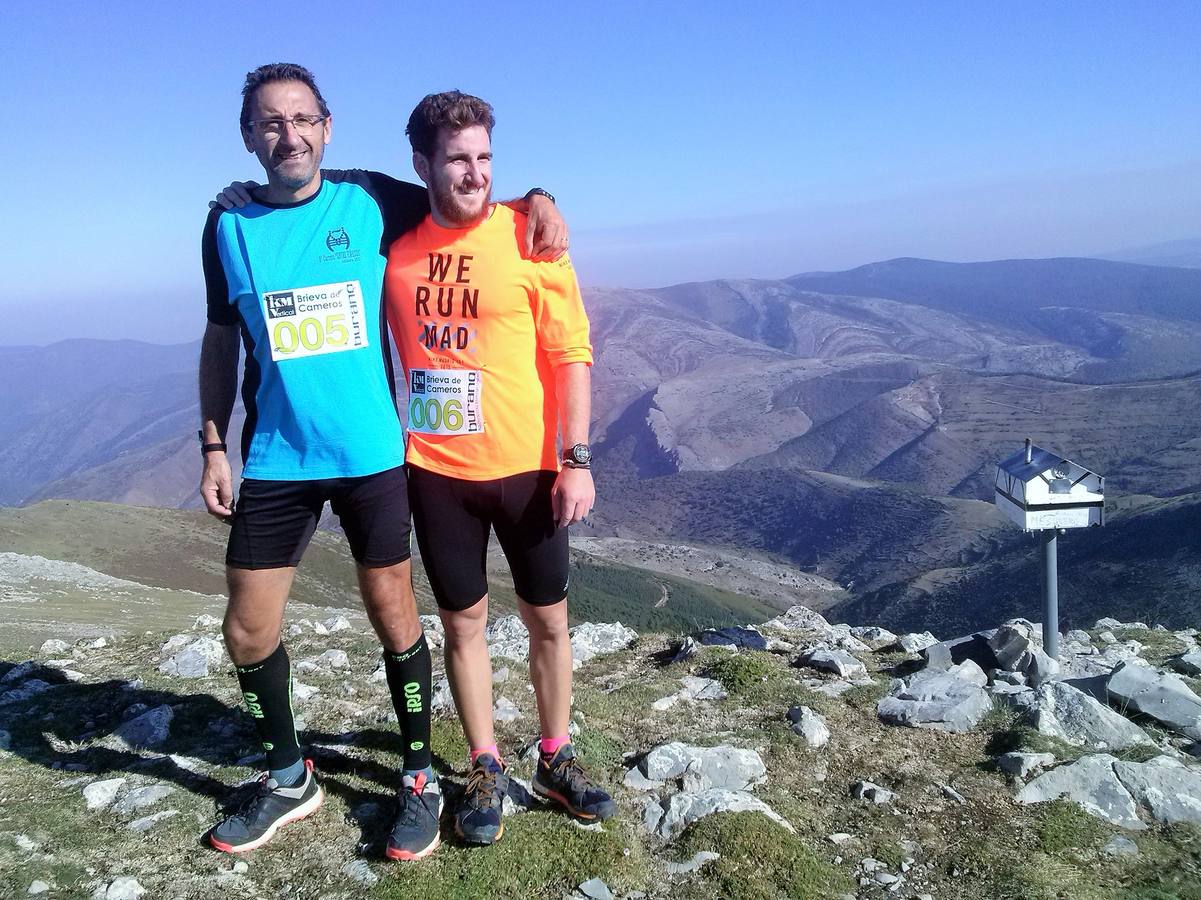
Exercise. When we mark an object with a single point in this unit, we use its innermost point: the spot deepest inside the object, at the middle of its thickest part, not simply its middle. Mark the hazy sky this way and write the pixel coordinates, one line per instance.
(685, 141)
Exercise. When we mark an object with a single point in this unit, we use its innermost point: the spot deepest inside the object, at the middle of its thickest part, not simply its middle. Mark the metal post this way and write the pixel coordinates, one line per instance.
(1051, 593)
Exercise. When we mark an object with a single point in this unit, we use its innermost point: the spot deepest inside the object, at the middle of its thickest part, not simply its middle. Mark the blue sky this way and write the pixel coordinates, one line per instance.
(685, 141)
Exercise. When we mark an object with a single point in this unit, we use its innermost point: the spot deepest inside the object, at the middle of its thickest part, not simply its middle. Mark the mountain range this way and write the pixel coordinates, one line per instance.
(843, 424)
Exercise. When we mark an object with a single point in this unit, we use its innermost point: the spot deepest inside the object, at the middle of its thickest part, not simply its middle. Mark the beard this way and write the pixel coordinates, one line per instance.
(459, 210)
(288, 175)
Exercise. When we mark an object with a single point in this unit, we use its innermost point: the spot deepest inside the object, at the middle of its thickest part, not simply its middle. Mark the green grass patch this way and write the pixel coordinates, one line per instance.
(866, 696)
(1065, 826)
(541, 854)
(759, 860)
(447, 740)
(755, 679)
(597, 750)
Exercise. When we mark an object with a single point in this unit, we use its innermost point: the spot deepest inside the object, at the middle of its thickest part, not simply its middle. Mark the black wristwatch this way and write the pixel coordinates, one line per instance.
(541, 193)
(211, 448)
(578, 456)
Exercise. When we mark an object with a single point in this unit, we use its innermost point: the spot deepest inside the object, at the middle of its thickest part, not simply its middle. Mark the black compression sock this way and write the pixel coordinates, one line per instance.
(267, 690)
(409, 679)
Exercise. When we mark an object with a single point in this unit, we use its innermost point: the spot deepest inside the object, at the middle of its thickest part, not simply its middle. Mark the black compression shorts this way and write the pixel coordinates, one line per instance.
(274, 520)
(453, 517)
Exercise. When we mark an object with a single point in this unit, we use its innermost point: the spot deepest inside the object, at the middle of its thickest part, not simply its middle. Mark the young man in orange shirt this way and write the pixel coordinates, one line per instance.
(496, 351)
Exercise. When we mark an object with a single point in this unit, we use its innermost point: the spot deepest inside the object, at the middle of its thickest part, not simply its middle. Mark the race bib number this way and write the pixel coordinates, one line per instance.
(310, 321)
(445, 401)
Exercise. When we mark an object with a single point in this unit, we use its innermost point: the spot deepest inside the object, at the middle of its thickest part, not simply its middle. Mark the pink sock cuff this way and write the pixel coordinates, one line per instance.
(491, 749)
(550, 746)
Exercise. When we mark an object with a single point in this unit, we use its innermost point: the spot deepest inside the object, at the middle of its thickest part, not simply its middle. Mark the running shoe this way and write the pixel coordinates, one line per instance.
(478, 818)
(262, 814)
(415, 831)
(560, 778)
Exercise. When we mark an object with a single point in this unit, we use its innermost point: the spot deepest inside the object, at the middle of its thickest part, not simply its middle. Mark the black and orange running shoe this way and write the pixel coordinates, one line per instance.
(560, 778)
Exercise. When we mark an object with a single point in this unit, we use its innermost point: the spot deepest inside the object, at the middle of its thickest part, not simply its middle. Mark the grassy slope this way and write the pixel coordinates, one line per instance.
(183, 551)
(989, 847)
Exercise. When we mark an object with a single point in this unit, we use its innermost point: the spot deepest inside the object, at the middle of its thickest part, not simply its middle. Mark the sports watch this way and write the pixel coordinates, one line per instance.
(206, 448)
(578, 456)
(539, 192)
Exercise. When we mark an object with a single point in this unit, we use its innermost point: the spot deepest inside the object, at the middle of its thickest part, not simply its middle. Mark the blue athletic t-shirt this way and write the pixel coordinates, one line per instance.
(304, 281)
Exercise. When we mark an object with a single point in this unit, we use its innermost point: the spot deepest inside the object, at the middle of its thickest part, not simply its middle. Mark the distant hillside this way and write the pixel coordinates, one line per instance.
(1143, 563)
(175, 558)
(1185, 254)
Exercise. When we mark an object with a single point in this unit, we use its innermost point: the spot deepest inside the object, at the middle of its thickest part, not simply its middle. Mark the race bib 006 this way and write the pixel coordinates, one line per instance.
(310, 321)
(445, 401)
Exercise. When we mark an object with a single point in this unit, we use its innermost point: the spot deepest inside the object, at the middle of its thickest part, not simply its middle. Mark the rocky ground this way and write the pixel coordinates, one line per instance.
(794, 759)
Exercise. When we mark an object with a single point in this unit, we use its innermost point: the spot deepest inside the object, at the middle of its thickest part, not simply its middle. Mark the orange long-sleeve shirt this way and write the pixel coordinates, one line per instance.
(480, 331)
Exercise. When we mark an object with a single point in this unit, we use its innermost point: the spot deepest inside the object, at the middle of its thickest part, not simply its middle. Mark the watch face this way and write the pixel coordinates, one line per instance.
(581, 454)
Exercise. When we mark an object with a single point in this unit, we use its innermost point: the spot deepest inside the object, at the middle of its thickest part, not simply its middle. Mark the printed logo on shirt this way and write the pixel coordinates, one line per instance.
(310, 321)
(280, 304)
(417, 385)
(337, 239)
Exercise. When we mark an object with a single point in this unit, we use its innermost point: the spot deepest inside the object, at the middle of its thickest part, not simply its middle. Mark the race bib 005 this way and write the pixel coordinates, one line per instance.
(310, 321)
(445, 401)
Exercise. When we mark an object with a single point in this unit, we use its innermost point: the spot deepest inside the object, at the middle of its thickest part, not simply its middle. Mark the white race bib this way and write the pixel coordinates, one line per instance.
(310, 321)
(446, 401)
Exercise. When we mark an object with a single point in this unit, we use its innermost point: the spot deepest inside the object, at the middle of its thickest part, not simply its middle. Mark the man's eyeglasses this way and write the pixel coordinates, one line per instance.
(271, 127)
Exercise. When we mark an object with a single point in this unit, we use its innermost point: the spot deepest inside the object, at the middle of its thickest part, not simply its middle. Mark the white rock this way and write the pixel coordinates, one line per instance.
(873, 793)
(53, 647)
(507, 637)
(692, 865)
(589, 640)
(443, 699)
(1169, 791)
(37, 887)
(1063, 711)
(685, 808)
(838, 662)
(335, 624)
(839, 838)
(195, 660)
(1091, 783)
(810, 726)
(140, 798)
(799, 618)
(357, 870)
(595, 889)
(970, 672)
(147, 822)
(1160, 695)
(303, 692)
(1021, 764)
(124, 888)
(723, 766)
(913, 643)
(205, 622)
(100, 794)
(1120, 846)
(505, 710)
(936, 700)
(149, 729)
(330, 659)
(874, 637)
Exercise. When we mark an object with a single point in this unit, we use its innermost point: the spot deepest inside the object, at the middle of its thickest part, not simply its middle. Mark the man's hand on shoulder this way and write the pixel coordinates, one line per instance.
(216, 486)
(573, 496)
(545, 230)
(237, 195)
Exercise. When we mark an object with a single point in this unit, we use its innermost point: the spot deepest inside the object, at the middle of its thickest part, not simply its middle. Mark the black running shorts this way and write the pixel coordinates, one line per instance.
(453, 516)
(274, 520)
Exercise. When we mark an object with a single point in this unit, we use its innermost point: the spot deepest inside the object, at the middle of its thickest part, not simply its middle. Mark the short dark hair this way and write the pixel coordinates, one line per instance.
(273, 72)
(450, 109)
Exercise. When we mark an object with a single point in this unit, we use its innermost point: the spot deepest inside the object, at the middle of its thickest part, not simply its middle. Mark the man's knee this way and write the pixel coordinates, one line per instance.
(464, 626)
(248, 644)
(545, 623)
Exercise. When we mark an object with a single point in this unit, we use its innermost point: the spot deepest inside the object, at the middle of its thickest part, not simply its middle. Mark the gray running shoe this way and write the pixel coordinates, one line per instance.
(260, 817)
(415, 831)
(478, 818)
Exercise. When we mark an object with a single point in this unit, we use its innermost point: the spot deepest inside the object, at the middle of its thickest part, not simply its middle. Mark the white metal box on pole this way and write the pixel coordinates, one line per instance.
(1041, 491)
